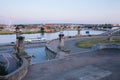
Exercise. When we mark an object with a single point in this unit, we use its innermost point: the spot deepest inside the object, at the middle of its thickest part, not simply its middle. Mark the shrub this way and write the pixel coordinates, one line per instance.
(3, 70)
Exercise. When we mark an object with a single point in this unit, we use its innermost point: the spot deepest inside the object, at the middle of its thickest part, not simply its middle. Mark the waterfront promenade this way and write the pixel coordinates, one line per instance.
(82, 64)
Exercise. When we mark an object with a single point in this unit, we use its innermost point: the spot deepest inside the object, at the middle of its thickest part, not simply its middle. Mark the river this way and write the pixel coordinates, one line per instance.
(48, 36)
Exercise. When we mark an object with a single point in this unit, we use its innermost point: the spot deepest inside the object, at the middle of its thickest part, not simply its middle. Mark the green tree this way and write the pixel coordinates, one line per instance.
(42, 31)
(3, 70)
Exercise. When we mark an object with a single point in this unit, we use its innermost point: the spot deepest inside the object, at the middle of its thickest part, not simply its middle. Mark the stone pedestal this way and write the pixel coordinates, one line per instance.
(17, 35)
(21, 50)
(110, 37)
(78, 30)
(61, 41)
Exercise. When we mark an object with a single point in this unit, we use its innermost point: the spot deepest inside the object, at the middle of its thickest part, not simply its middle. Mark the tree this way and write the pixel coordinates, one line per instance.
(42, 31)
(3, 70)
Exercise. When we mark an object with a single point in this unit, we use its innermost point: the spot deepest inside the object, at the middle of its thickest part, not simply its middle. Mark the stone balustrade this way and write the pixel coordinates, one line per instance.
(50, 53)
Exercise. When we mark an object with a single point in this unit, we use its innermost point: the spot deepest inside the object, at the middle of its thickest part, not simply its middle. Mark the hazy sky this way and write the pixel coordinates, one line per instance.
(60, 11)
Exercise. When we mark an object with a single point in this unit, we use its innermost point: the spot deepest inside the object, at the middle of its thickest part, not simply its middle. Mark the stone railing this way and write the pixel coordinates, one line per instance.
(19, 73)
(50, 53)
(105, 46)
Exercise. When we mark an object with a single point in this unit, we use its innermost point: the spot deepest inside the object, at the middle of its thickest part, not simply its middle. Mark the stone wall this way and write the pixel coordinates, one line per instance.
(19, 73)
(50, 54)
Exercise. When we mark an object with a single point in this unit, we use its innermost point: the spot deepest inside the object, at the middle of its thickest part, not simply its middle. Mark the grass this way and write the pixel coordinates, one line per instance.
(12, 32)
(3, 69)
(30, 32)
(24, 32)
(90, 43)
(6, 32)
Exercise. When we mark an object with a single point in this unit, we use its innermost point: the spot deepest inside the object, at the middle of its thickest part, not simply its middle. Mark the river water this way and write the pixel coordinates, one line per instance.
(48, 36)
(39, 54)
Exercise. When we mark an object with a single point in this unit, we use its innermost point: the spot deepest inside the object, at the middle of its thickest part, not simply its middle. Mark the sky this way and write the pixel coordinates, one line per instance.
(60, 11)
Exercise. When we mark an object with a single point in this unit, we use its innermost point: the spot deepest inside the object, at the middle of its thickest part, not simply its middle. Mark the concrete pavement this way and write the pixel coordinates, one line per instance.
(93, 65)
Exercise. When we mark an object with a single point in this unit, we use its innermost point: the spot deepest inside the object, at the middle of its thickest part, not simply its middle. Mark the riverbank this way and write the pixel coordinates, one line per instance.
(23, 32)
(6, 32)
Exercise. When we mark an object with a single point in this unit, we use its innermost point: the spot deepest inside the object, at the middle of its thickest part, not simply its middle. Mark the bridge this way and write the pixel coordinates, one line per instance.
(111, 32)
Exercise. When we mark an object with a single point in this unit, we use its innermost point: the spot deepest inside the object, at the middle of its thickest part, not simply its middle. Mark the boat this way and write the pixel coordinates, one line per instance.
(39, 39)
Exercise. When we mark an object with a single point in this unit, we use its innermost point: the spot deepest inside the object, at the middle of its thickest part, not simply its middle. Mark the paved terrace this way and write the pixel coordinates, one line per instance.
(93, 65)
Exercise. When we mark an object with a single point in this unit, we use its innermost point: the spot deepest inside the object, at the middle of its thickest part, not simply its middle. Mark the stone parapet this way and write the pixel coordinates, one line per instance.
(50, 54)
(19, 73)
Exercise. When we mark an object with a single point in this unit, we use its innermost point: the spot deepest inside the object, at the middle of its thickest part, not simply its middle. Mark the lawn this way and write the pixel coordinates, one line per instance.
(90, 43)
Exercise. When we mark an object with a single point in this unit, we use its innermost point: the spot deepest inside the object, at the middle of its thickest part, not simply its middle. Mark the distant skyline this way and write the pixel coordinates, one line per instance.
(60, 11)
